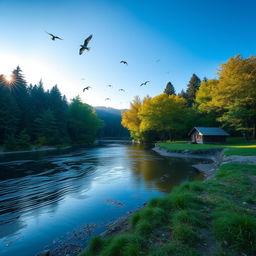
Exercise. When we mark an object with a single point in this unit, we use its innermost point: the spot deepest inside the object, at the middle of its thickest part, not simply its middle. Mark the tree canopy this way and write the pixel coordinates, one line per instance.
(31, 114)
(233, 95)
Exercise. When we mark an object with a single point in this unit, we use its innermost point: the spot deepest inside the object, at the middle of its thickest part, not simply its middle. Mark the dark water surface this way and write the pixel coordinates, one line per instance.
(45, 195)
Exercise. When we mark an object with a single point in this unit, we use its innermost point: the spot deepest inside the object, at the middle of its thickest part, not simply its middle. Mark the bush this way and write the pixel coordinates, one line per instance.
(10, 143)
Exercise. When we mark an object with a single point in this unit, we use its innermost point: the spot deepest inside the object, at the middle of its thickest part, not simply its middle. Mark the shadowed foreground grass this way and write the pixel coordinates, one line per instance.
(215, 217)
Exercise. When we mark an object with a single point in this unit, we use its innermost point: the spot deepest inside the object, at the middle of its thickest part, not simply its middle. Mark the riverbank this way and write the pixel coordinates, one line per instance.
(209, 169)
(214, 217)
(44, 148)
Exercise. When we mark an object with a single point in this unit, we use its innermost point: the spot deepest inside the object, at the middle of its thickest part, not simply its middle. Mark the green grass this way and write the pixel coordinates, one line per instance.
(234, 146)
(219, 213)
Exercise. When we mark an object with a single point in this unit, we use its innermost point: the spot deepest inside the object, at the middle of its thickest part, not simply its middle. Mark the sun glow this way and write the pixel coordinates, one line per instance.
(8, 78)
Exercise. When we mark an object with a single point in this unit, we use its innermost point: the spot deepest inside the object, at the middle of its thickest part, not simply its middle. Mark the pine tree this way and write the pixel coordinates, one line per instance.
(183, 94)
(59, 107)
(192, 88)
(169, 89)
(19, 92)
(45, 126)
(8, 111)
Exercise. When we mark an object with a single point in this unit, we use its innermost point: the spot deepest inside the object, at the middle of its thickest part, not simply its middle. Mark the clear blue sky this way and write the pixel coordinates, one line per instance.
(187, 36)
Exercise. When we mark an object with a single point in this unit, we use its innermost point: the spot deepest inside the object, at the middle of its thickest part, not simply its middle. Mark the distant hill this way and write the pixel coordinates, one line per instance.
(112, 123)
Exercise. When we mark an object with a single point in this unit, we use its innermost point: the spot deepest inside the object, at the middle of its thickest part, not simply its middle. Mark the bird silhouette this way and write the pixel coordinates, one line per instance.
(85, 45)
(157, 60)
(124, 62)
(82, 78)
(53, 37)
(121, 90)
(144, 83)
(107, 99)
(86, 88)
(109, 85)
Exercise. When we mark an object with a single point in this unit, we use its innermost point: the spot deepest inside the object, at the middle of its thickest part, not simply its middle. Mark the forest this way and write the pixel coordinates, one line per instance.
(31, 115)
(228, 101)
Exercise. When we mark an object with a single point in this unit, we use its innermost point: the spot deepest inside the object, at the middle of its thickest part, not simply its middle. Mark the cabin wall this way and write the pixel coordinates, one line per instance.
(196, 137)
(214, 139)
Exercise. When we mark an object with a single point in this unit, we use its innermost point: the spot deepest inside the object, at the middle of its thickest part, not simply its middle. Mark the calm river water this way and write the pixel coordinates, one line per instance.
(46, 197)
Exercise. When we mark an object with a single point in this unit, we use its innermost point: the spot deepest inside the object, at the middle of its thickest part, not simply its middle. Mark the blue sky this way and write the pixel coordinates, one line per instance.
(187, 36)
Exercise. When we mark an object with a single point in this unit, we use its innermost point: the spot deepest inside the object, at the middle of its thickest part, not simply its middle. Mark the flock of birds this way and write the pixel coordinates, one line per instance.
(84, 47)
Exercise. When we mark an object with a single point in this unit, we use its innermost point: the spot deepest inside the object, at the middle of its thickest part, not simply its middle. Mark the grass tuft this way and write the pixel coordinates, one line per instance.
(238, 230)
(185, 233)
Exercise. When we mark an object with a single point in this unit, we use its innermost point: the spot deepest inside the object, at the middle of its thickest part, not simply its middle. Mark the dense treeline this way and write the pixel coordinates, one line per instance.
(32, 115)
(112, 123)
(229, 101)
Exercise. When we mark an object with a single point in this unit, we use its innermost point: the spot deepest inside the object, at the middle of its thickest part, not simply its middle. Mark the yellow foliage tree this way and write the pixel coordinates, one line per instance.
(164, 114)
(205, 95)
(234, 94)
(130, 118)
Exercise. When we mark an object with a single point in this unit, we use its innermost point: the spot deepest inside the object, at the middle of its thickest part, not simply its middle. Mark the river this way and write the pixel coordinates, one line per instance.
(49, 197)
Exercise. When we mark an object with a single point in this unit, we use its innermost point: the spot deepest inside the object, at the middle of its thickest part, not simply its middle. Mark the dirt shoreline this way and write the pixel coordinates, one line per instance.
(207, 169)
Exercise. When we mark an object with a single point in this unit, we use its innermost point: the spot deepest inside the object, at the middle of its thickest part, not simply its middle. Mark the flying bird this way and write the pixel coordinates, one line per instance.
(107, 99)
(85, 45)
(87, 88)
(124, 62)
(121, 90)
(109, 85)
(157, 60)
(82, 78)
(53, 37)
(144, 83)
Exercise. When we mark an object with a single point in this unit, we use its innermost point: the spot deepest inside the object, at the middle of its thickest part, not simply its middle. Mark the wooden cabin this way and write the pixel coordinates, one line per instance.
(211, 135)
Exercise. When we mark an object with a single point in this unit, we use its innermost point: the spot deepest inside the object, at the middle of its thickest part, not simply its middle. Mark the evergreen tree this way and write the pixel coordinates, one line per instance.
(23, 140)
(183, 94)
(192, 89)
(8, 111)
(83, 122)
(19, 92)
(45, 126)
(59, 106)
(169, 89)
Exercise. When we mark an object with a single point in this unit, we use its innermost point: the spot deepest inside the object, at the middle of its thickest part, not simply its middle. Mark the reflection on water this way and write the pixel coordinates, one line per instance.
(45, 195)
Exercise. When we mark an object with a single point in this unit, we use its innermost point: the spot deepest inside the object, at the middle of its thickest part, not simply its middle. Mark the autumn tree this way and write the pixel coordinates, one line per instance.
(164, 114)
(131, 120)
(233, 95)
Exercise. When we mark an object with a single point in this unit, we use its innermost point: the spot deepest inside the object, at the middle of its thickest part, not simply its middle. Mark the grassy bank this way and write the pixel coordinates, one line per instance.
(215, 217)
(233, 146)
